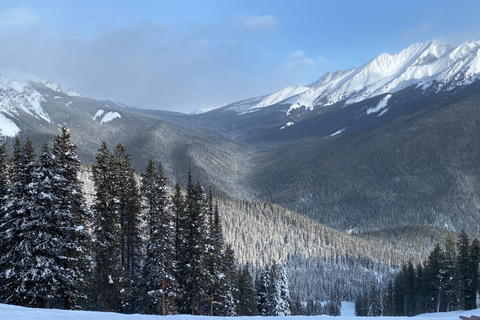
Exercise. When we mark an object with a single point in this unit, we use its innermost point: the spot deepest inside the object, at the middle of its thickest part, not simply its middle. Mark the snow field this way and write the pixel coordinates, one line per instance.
(8, 312)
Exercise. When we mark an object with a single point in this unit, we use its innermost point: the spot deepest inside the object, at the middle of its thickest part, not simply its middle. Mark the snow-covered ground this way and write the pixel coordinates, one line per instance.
(8, 312)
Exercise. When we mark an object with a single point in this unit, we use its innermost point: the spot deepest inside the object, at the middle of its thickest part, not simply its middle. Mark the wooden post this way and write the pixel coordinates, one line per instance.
(164, 307)
(211, 302)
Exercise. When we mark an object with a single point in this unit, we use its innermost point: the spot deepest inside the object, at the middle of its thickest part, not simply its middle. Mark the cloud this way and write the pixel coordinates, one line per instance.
(17, 22)
(260, 23)
(146, 64)
(296, 60)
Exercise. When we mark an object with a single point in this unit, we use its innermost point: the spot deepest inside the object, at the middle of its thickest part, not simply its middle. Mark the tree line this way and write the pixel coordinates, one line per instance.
(140, 247)
(448, 280)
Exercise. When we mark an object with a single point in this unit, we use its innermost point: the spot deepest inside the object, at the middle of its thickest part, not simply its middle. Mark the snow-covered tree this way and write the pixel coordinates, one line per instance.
(194, 274)
(159, 271)
(108, 273)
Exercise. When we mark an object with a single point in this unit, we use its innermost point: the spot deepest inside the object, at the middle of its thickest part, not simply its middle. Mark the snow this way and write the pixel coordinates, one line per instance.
(7, 126)
(255, 104)
(16, 95)
(9, 312)
(288, 124)
(109, 116)
(98, 114)
(421, 63)
(338, 132)
(382, 104)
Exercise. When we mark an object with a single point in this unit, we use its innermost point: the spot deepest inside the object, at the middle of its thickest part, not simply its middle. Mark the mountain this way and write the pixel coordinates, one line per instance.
(389, 144)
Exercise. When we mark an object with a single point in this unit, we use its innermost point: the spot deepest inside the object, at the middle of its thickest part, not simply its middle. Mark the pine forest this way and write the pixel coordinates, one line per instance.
(104, 237)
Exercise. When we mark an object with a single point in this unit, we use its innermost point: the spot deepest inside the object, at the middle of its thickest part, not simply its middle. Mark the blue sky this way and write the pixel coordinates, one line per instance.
(188, 55)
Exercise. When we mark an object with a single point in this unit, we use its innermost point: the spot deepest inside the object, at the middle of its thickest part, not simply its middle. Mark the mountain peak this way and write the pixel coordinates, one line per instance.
(420, 63)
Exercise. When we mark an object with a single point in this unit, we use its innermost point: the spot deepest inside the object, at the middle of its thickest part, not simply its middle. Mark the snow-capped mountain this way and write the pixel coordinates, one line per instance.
(255, 104)
(421, 64)
(23, 97)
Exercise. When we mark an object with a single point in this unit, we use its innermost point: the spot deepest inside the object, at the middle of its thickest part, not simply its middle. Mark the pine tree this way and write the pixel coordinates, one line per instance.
(263, 286)
(39, 236)
(246, 294)
(178, 208)
(434, 279)
(128, 197)
(451, 289)
(193, 266)
(463, 268)
(160, 266)
(282, 292)
(106, 231)
(4, 176)
(18, 234)
(474, 272)
(77, 217)
(227, 281)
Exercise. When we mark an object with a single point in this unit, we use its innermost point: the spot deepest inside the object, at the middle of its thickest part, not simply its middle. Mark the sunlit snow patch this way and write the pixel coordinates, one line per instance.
(338, 132)
(8, 127)
(288, 124)
(109, 116)
(98, 114)
(382, 104)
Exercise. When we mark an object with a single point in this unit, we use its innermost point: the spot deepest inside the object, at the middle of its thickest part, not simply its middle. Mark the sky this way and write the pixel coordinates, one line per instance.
(186, 55)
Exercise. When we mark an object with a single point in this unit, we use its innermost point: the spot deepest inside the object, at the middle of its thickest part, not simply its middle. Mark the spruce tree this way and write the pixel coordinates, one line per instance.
(246, 294)
(463, 269)
(4, 176)
(18, 233)
(227, 283)
(475, 272)
(128, 198)
(196, 279)
(159, 271)
(107, 294)
(282, 292)
(263, 286)
(77, 217)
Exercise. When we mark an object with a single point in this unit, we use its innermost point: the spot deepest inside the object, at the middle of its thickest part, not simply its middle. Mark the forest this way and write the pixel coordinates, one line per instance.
(140, 246)
(137, 249)
(448, 280)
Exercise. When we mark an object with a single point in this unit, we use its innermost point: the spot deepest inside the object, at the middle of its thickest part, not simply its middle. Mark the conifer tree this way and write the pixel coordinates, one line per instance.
(193, 265)
(178, 208)
(108, 273)
(475, 272)
(128, 197)
(227, 280)
(37, 237)
(4, 176)
(160, 266)
(263, 286)
(463, 269)
(77, 218)
(246, 294)
(282, 292)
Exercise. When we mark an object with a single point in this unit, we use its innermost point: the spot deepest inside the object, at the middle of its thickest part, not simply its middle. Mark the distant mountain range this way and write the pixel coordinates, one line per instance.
(388, 144)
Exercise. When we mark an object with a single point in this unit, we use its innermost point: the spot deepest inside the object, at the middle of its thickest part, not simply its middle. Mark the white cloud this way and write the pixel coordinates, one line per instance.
(260, 22)
(295, 61)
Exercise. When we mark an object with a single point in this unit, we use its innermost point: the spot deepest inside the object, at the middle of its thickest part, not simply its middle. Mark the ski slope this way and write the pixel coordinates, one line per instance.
(8, 312)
